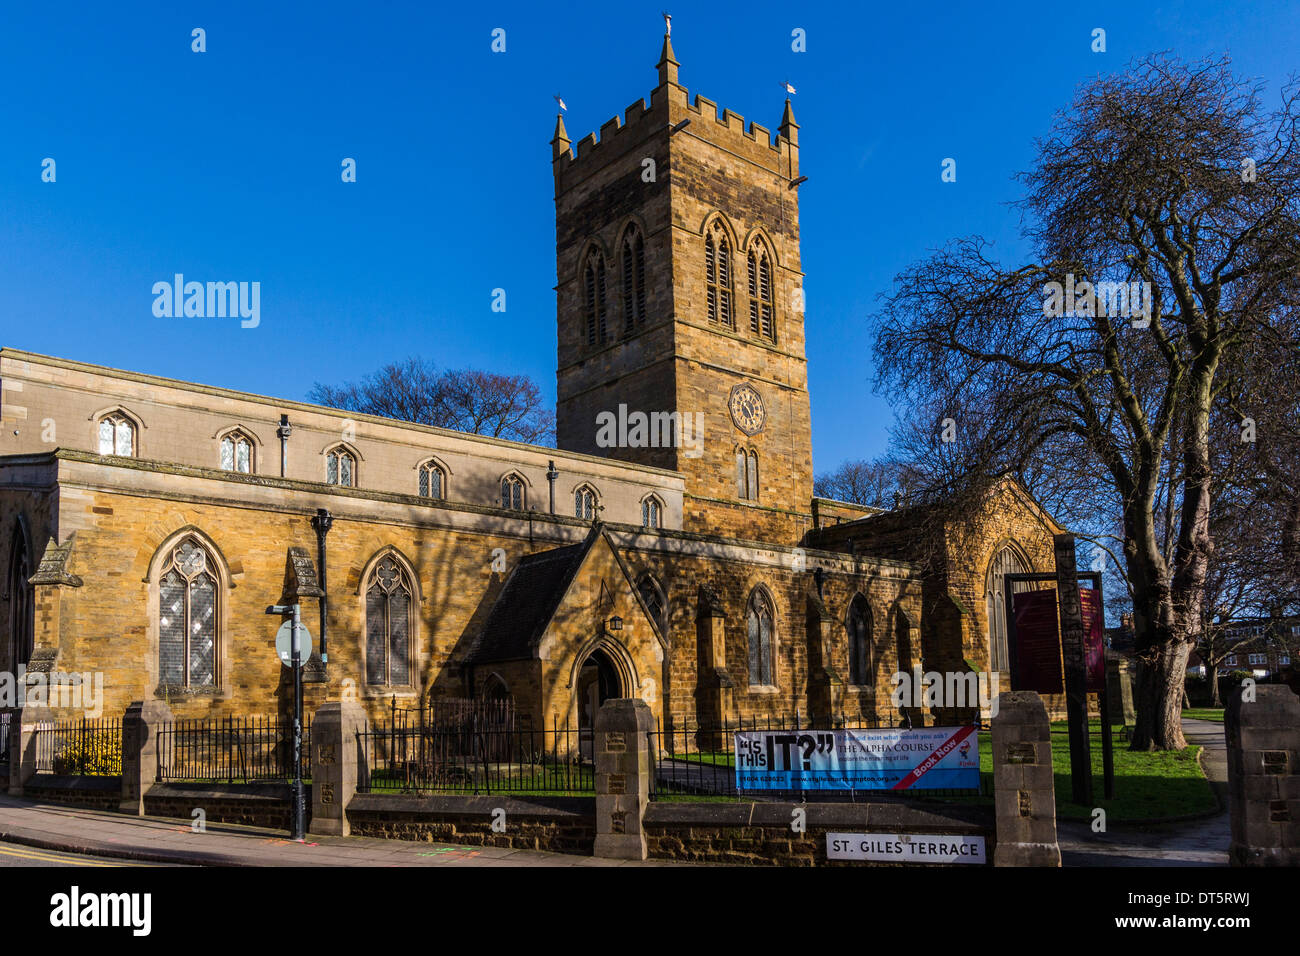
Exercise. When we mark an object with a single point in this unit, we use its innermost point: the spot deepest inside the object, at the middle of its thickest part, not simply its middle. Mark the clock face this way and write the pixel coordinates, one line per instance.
(747, 410)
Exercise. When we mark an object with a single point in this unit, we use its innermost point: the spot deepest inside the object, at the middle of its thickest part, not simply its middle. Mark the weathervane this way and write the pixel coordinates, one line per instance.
(560, 101)
(668, 24)
(788, 87)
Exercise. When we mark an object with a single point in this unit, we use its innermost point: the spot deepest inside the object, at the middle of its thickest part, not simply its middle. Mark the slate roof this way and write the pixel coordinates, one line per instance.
(527, 603)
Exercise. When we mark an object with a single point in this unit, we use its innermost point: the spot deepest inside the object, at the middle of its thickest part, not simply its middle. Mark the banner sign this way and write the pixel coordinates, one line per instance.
(924, 758)
(905, 847)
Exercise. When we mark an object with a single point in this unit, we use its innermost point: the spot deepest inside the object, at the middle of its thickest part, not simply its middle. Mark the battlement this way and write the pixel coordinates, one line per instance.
(669, 105)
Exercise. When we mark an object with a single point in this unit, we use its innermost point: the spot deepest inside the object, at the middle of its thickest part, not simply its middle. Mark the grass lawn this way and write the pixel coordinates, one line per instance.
(1147, 785)
(1205, 713)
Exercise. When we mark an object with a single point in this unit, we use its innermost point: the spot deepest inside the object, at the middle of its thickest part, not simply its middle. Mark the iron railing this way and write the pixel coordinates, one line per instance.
(470, 758)
(699, 760)
(230, 750)
(82, 748)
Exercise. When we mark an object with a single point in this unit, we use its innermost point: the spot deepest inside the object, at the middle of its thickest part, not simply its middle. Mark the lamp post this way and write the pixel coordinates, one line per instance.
(297, 808)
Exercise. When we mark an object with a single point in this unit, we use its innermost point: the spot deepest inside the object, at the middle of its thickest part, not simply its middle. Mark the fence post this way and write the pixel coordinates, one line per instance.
(1263, 739)
(1024, 792)
(140, 751)
(337, 757)
(23, 741)
(623, 768)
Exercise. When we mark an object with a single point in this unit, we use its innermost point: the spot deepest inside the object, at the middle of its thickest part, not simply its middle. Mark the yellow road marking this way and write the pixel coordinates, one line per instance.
(44, 857)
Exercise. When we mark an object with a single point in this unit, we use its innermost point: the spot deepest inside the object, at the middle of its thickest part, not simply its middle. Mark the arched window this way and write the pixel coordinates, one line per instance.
(237, 452)
(633, 254)
(652, 512)
(584, 503)
(653, 596)
(758, 625)
(859, 628)
(746, 474)
(388, 624)
(433, 481)
(717, 273)
(21, 617)
(341, 468)
(512, 493)
(1006, 561)
(760, 294)
(117, 435)
(593, 284)
(187, 617)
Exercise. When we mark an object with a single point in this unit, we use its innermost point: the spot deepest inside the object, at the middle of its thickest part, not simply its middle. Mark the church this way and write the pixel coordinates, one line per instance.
(680, 557)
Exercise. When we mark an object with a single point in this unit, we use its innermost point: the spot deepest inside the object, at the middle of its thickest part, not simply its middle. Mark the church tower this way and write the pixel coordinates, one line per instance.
(679, 297)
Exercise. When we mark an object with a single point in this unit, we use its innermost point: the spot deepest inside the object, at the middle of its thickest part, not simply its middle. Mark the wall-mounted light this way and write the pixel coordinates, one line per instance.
(615, 623)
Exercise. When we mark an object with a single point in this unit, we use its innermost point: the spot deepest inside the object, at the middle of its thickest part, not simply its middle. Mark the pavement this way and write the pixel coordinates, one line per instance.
(56, 829)
(1201, 842)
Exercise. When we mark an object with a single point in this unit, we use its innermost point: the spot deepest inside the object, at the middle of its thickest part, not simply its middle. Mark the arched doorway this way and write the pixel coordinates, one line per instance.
(598, 681)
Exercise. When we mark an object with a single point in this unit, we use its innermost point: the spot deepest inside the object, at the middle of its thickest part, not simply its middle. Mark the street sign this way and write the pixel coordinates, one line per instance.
(284, 648)
(906, 847)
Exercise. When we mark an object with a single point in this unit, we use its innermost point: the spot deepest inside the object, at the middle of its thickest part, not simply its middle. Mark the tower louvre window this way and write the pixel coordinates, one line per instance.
(717, 271)
(746, 474)
(594, 288)
(633, 280)
(760, 294)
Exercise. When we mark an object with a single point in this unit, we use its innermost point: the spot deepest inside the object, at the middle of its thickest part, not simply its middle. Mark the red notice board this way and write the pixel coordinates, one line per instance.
(1038, 643)
(1094, 648)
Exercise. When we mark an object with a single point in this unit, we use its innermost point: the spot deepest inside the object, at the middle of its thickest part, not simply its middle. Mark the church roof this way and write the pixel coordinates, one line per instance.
(528, 602)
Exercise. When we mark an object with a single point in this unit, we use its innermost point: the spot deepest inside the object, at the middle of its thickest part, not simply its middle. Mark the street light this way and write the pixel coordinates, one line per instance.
(297, 809)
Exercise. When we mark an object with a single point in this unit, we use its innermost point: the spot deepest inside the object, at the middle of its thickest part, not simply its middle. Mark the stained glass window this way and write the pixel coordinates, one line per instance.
(388, 624)
(758, 621)
(187, 618)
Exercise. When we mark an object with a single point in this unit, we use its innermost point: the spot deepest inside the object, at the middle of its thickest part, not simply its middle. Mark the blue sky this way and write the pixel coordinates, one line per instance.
(225, 165)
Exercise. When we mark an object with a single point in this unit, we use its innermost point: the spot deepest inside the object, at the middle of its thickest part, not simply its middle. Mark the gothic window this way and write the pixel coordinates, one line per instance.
(21, 617)
(652, 511)
(388, 624)
(512, 492)
(760, 294)
(1007, 561)
(859, 628)
(758, 623)
(187, 618)
(341, 468)
(237, 453)
(593, 282)
(653, 596)
(433, 481)
(717, 272)
(117, 435)
(584, 503)
(746, 474)
(633, 254)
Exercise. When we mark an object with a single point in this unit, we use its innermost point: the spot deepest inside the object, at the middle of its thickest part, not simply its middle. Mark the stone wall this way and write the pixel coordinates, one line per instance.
(760, 834)
(558, 824)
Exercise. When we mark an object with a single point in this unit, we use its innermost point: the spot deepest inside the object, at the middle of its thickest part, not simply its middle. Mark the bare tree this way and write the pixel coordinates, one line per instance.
(875, 484)
(467, 400)
(1164, 214)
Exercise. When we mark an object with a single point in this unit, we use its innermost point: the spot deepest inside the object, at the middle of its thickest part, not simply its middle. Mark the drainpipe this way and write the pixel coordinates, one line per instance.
(322, 523)
(284, 431)
(551, 475)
